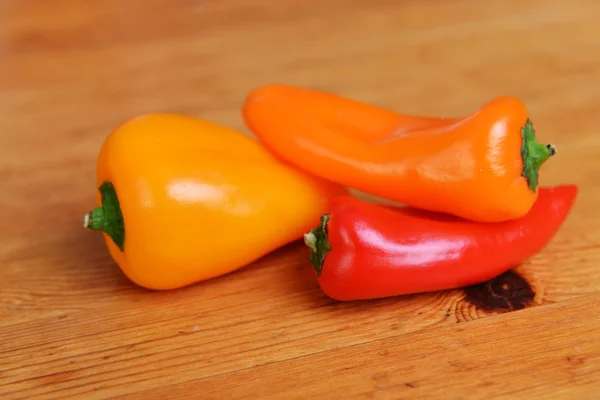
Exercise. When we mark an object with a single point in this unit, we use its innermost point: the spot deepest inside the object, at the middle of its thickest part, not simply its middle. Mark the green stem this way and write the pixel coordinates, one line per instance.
(534, 154)
(317, 241)
(108, 217)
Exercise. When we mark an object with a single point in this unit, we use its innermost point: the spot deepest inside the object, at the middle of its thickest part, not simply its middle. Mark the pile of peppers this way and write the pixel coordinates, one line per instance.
(182, 200)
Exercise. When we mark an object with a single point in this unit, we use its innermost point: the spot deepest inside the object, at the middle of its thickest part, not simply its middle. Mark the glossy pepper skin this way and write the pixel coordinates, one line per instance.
(182, 200)
(483, 167)
(363, 250)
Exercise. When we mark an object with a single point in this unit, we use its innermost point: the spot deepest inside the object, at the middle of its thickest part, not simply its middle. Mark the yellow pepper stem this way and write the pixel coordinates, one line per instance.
(108, 217)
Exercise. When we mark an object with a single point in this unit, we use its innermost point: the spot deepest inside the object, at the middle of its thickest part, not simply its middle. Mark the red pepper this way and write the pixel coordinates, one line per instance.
(363, 250)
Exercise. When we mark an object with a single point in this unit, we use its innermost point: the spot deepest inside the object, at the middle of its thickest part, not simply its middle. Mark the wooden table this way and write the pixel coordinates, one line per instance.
(72, 326)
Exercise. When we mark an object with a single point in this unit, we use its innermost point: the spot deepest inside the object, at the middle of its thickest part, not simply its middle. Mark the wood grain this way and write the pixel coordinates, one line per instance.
(72, 326)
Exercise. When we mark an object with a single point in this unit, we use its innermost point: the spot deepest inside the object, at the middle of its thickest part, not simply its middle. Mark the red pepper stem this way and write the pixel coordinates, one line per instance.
(318, 243)
(534, 154)
(108, 217)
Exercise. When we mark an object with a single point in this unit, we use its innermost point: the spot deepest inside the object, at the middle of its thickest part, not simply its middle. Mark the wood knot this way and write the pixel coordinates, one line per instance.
(507, 292)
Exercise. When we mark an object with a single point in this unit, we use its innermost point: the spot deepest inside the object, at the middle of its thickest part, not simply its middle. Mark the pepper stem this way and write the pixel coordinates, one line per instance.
(317, 241)
(108, 217)
(534, 154)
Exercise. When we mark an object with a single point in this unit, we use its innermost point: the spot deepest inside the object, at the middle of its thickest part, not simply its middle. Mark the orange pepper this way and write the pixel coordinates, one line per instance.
(483, 167)
(183, 200)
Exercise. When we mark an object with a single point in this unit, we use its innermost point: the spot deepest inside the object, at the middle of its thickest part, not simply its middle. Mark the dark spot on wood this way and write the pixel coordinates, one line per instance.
(507, 292)
(380, 377)
(575, 360)
(410, 385)
(448, 313)
(63, 316)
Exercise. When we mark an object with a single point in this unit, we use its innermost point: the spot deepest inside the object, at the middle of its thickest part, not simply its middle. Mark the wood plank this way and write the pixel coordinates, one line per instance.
(369, 351)
(71, 325)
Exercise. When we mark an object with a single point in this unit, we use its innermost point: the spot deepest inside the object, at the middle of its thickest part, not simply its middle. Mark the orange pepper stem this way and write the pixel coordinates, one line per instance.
(317, 241)
(107, 218)
(534, 154)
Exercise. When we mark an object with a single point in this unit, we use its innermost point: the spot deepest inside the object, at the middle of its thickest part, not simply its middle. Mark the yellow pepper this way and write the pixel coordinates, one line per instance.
(182, 200)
